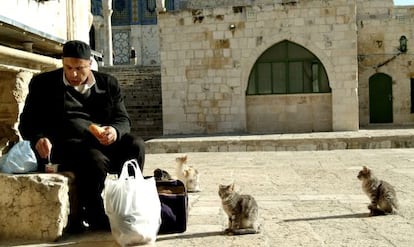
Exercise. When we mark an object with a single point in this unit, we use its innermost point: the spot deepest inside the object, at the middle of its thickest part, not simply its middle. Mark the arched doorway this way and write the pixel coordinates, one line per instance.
(288, 91)
(380, 98)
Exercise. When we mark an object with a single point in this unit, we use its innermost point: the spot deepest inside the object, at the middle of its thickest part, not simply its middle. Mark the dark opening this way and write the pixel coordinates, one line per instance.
(92, 38)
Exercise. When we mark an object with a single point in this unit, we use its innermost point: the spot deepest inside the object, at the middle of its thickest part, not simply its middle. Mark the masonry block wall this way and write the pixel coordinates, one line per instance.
(380, 26)
(205, 65)
(142, 90)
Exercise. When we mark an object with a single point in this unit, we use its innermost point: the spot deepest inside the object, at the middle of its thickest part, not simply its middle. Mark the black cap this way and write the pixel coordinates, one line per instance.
(76, 49)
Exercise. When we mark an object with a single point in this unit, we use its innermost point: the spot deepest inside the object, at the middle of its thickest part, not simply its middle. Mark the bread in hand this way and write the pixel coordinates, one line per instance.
(96, 130)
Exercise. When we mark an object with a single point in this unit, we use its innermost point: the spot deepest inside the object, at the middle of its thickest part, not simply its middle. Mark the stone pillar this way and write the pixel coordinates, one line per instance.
(78, 20)
(108, 50)
(13, 91)
(345, 114)
(161, 5)
(133, 60)
(20, 92)
(98, 23)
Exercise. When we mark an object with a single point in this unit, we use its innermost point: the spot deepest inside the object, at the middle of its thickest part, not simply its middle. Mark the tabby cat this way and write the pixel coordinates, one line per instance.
(242, 211)
(382, 194)
(161, 175)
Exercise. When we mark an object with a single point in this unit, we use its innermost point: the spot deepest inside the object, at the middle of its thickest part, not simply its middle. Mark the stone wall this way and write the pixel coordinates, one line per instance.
(380, 27)
(144, 39)
(289, 113)
(205, 65)
(142, 89)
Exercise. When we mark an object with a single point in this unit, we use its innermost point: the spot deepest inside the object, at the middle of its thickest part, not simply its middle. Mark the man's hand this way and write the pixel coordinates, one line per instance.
(109, 136)
(43, 147)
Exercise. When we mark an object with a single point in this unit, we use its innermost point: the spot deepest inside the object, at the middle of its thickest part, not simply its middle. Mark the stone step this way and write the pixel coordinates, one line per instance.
(361, 139)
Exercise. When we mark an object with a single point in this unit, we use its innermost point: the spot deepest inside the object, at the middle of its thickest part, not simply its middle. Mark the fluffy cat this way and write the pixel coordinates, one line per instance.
(382, 194)
(187, 174)
(242, 211)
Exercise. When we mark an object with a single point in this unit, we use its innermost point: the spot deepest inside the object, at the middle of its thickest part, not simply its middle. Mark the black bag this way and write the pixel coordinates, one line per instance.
(174, 206)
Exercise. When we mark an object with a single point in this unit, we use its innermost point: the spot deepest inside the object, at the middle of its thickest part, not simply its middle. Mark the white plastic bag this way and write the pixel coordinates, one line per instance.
(20, 159)
(133, 206)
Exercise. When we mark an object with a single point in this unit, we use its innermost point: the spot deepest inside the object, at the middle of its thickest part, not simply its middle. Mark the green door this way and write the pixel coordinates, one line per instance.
(380, 98)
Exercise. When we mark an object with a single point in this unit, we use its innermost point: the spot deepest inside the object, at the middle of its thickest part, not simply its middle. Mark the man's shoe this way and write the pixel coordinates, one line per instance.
(100, 225)
(76, 227)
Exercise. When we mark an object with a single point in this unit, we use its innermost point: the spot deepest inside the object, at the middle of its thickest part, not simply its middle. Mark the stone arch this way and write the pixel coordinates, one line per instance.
(286, 55)
(288, 113)
(319, 53)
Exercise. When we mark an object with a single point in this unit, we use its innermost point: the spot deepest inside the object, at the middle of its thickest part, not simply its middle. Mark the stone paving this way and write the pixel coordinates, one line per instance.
(306, 198)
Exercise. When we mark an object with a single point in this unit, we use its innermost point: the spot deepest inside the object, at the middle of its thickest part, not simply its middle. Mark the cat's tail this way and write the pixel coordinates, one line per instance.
(180, 168)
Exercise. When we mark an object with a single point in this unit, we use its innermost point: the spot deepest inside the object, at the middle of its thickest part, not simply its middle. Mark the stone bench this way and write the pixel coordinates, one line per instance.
(34, 206)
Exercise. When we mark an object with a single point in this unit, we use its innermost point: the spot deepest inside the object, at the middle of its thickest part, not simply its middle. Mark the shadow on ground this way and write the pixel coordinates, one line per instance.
(188, 236)
(343, 216)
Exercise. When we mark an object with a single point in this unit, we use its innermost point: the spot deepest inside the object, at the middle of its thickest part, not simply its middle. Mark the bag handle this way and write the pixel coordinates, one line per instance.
(137, 171)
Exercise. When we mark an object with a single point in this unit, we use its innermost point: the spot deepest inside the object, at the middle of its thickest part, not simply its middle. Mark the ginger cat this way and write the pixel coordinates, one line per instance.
(187, 174)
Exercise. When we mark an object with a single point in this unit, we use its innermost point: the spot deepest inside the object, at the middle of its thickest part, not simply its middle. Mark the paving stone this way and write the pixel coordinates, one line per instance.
(306, 198)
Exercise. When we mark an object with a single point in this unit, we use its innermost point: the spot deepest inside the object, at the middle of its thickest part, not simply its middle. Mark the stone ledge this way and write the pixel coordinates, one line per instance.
(33, 206)
(315, 141)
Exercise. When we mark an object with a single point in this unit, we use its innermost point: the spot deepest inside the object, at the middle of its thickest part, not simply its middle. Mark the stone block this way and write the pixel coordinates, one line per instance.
(33, 206)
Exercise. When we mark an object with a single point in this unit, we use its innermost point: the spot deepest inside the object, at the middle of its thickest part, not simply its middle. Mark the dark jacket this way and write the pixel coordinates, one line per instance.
(44, 111)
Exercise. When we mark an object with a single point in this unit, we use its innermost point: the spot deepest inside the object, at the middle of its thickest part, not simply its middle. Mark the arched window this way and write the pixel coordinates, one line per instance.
(287, 68)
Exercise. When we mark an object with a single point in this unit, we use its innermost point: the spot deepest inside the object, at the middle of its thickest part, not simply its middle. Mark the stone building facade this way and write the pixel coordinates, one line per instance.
(206, 64)
(385, 73)
(134, 25)
(209, 49)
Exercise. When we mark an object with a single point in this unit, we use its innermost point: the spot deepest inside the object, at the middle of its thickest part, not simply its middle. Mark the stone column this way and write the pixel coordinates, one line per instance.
(20, 92)
(133, 60)
(13, 91)
(107, 13)
(345, 111)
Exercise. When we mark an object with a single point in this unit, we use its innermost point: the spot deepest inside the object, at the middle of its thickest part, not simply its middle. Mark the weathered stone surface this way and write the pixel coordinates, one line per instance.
(33, 206)
(306, 198)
